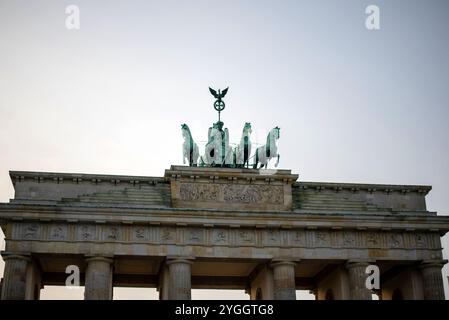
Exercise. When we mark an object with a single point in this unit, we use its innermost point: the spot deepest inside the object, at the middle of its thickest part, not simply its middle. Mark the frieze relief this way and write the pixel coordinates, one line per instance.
(199, 192)
(31, 231)
(167, 235)
(322, 238)
(348, 238)
(372, 239)
(421, 240)
(86, 233)
(140, 233)
(112, 233)
(297, 238)
(194, 236)
(57, 232)
(272, 237)
(246, 237)
(232, 193)
(395, 240)
(253, 194)
(220, 236)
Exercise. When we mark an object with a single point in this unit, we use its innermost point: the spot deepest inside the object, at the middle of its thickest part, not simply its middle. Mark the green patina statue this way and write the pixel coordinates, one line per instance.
(218, 152)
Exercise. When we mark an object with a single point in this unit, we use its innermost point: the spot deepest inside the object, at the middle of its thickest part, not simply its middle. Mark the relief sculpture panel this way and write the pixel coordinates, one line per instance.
(258, 196)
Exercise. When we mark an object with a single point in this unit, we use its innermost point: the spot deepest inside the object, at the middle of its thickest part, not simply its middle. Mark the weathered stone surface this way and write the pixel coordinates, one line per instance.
(232, 222)
(15, 277)
(225, 188)
(179, 278)
(432, 279)
(98, 284)
(283, 280)
(357, 278)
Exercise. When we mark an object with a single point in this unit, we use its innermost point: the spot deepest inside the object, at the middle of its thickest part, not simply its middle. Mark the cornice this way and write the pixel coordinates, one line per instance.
(356, 187)
(215, 218)
(58, 177)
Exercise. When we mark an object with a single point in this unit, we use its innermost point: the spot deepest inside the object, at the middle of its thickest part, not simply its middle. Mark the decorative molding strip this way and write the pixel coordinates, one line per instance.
(231, 237)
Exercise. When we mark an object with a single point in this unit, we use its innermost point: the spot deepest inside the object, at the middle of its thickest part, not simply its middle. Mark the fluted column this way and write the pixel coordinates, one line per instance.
(15, 277)
(357, 281)
(98, 283)
(432, 279)
(284, 280)
(164, 283)
(180, 283)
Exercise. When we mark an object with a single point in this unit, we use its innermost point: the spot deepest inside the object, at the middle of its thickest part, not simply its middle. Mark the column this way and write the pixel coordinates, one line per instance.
(357, 280)
(179, 277)
(164, 283)
(34, 281)
(98, 282)
(432, 279)
(261, 285)
(15, 277)
(284, 287)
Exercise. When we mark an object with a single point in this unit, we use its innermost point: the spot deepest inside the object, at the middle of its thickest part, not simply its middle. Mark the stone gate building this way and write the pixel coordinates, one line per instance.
(197, 227)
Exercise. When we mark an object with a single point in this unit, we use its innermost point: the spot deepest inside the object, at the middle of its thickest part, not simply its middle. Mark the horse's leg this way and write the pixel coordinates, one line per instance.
(183, 153)
(256, 159)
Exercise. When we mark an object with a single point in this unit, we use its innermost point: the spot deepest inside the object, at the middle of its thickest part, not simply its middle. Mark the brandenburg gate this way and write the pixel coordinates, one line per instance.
(218, 224)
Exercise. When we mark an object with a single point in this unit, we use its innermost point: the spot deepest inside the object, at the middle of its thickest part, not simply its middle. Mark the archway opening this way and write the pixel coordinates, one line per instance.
(397, 295)
(62, 293)
(135, 293)
(219, 294)
(329, 295)
(259, 294)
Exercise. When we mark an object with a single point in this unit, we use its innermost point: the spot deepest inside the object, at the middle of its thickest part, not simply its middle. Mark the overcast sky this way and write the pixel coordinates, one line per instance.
(353, 105)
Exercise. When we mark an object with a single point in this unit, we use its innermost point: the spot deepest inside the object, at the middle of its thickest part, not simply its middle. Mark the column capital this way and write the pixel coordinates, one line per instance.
(282, 262)
(108, 259)
(358, 263)
(177, 259)
(438, 263)
(6, 255)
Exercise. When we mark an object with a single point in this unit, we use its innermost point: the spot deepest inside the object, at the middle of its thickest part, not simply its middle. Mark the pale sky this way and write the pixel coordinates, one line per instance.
(354, 105)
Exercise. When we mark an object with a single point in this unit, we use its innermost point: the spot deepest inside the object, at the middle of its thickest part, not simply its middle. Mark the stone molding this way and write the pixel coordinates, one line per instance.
(170, 260)
(224, 236)
(16, 256)
(77, 178)
(99, 258)
(357, 187)
(225, 188)
(280, 262)
(432, 264)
